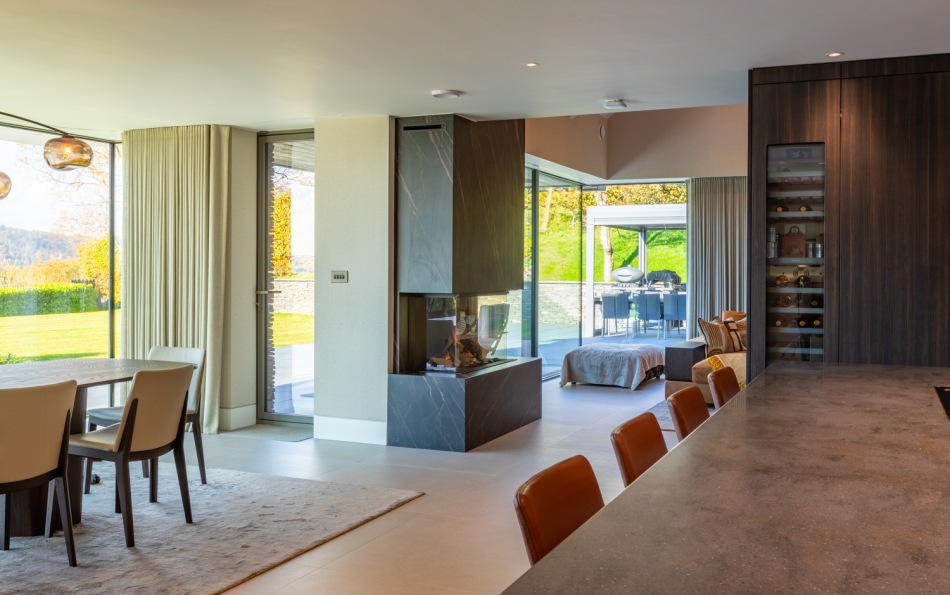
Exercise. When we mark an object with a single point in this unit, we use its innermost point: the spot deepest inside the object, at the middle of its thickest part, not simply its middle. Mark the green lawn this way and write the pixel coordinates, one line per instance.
(62, 336)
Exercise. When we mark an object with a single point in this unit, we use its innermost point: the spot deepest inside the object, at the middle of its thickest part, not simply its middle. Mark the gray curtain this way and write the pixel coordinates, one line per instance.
(174, 244)
(717, 245)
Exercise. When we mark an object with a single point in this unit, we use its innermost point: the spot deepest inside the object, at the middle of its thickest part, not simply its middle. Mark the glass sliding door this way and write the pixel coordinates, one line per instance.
(559, 253)
(285, 301)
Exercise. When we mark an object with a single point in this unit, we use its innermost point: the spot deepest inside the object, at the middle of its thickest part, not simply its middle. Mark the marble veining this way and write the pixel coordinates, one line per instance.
(461, 412)
(817, 478)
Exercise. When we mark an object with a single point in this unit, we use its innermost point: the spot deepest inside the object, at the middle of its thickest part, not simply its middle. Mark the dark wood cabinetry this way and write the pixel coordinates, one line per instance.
(885, 127)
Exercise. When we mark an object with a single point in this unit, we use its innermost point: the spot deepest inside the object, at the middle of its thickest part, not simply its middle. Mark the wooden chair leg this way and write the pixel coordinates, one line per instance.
(124, 487)
(87, 478)
(66, 516)
(200, 451)
(152, 479)
(183, 481)
(87, 481)
(5, 521)
(50, 493)
(144, 468)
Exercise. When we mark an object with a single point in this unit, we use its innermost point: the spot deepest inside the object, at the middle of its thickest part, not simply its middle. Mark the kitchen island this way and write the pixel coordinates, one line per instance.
(816, 478)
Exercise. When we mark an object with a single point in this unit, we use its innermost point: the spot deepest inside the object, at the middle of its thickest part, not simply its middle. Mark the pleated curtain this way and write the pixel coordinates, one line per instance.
(717, 233)
(174, 246)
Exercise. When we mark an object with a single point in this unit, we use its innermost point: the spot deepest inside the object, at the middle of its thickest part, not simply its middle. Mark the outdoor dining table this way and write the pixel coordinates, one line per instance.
(28, 508)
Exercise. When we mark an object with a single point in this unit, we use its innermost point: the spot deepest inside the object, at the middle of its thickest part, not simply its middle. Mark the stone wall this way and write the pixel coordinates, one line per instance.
(295, 297)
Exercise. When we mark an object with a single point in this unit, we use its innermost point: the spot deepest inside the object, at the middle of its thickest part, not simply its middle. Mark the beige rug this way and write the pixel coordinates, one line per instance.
(244, 524)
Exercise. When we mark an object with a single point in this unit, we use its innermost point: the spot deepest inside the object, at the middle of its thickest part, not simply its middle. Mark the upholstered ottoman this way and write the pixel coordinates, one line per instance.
(614, 364)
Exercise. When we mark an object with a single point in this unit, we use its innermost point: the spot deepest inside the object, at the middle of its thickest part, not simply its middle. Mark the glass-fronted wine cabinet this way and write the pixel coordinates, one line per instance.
(795, 253)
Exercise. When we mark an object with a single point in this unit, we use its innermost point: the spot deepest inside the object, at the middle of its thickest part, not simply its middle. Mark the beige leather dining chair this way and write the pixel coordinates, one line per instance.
(34, 439)
(555, 502)
(107, 416)
(153, 423)
(638, 444)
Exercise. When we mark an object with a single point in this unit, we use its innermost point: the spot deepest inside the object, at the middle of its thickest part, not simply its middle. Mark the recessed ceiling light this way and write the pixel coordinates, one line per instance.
(615, 104)
(834, 54)
(446, 94)
(532, 64)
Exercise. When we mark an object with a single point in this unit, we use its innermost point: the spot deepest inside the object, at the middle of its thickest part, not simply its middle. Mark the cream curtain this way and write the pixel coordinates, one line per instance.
(717, 233)
(174, 244)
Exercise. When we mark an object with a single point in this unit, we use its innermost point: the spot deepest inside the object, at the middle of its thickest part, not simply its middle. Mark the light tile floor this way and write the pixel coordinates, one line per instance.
(462, 536)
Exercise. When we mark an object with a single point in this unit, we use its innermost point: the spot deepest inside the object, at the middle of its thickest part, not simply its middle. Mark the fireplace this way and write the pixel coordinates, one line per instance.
(453, 334)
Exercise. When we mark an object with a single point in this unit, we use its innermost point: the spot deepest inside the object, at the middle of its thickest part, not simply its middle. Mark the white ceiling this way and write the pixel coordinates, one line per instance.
(101, 66)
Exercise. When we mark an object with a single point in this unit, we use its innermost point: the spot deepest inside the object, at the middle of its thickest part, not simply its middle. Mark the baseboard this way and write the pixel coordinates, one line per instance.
(236, 418)
(349, 430)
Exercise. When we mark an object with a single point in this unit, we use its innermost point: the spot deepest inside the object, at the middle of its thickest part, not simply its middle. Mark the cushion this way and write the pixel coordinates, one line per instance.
(736, 361)
(719, 337)
(733, 314)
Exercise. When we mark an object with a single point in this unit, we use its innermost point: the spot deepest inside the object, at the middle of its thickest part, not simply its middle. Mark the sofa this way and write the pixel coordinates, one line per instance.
(714, 358)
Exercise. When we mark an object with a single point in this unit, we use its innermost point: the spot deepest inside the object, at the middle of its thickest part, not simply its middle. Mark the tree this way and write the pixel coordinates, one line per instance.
(281, 260)
(94, 265)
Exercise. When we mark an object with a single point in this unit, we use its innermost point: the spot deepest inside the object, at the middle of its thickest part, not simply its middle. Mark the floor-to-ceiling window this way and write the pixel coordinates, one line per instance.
(553, 246)
(285, 277)
(59, 264)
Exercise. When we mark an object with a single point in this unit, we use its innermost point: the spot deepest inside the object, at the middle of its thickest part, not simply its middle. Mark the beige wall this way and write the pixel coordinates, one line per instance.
(572, 142)
(352, 351)
(238, 382)
(645, 145)
(678, 143)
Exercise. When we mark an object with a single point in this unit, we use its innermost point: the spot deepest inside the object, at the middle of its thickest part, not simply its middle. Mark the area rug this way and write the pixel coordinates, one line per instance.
(662, 412)
(244, 524)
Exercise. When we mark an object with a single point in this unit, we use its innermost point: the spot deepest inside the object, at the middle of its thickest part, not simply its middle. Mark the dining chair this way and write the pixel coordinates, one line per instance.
(688, 410)
(638, 444)
(674, 309)
(555, 502)
(34, 442)
(107, 416)
(616, 307)
(153, 423)
(650, 309)
(723, 385)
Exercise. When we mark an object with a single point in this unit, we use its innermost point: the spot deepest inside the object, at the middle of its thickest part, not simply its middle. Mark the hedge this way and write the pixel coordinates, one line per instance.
(50, 298)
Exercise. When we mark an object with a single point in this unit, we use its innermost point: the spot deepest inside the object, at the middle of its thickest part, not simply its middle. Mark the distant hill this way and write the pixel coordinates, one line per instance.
(23, 247)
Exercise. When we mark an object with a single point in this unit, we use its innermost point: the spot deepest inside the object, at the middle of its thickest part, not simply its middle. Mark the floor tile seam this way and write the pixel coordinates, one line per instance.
(348, 576)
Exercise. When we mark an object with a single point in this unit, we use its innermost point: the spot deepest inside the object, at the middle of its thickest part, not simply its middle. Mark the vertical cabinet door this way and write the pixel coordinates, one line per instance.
(894, 231)
(789, 113)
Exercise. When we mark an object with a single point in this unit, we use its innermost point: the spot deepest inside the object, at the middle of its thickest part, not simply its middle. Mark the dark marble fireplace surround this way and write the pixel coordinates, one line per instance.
(459, 232)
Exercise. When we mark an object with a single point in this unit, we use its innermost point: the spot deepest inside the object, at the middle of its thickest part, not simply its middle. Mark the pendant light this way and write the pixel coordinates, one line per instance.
(64, 152)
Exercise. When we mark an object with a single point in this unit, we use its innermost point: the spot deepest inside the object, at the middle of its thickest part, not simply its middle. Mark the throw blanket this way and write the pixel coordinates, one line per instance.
(736, 361)
(612, 363)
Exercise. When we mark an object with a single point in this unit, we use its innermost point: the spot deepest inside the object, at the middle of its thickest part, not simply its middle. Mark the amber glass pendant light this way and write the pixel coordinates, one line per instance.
(63, 152)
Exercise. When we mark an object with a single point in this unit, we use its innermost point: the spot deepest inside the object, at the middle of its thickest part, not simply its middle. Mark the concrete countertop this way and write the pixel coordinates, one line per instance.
(817, 478)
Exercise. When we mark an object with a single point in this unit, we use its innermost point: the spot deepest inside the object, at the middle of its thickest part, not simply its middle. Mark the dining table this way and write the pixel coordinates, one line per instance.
(818, 477)
(28, 508)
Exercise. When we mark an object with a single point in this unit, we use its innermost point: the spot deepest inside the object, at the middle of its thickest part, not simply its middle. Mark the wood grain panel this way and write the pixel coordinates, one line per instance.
(896, 66)
(794, 74)
(895, 225)
(804, 112)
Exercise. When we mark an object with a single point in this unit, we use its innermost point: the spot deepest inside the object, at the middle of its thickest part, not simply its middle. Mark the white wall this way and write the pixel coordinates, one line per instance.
(353, 321)
(238, 383)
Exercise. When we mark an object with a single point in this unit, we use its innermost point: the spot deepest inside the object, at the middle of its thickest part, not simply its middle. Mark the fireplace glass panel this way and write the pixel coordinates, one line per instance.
(465, 333)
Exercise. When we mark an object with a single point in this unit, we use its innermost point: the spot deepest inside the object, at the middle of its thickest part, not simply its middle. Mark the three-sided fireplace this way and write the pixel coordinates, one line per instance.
(452, 334)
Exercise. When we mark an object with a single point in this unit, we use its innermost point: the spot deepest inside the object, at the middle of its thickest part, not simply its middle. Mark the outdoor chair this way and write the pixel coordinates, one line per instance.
(616, 307)
(649, 310)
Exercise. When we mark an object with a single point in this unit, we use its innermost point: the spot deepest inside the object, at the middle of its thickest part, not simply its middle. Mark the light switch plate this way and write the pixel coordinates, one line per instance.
(339, 276)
